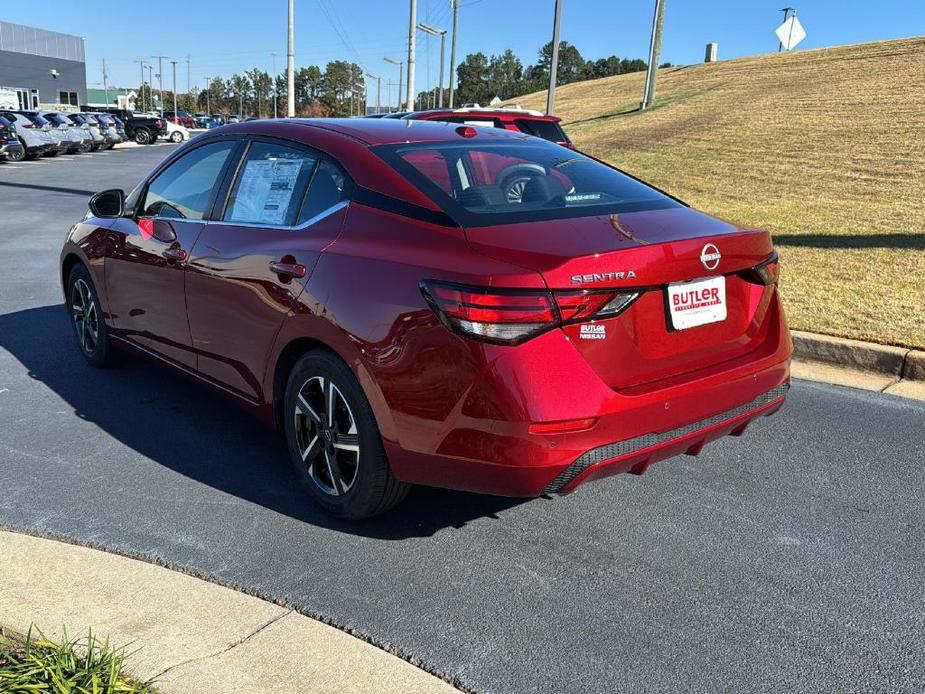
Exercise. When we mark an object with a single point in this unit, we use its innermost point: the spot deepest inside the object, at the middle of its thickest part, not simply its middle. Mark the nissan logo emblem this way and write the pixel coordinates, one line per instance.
(710, 257)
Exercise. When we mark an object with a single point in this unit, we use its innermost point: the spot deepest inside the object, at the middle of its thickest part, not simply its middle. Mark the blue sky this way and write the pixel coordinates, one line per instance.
(225, 36)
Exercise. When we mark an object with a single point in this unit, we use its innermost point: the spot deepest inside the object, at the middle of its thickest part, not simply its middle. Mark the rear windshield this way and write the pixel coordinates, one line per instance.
(547, 129)
(489, 183)
(77, 118)
(55, 118)
(104, 119)
(91, 120)
(37, 119)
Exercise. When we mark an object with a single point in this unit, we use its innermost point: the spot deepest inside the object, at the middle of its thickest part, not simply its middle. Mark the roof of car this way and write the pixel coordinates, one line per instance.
(505, 114)
(382, 131)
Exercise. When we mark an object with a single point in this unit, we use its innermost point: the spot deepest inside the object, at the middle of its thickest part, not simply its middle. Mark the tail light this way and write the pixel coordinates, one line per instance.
(766, 273)
(512, 316)
(158, 124)
(31, 126)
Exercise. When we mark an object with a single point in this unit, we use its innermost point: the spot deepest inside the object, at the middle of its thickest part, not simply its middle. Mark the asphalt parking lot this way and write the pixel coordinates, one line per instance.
(787, 560)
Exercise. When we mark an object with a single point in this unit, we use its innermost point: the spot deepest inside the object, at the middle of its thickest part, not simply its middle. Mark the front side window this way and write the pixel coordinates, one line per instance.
(509, 182)
(271, 185)
(184, 190)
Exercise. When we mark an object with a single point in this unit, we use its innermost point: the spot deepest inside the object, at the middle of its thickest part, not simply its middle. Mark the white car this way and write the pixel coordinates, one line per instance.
(176, 133)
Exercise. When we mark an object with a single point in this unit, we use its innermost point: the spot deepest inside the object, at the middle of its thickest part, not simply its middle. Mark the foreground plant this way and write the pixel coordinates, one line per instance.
(79, 666)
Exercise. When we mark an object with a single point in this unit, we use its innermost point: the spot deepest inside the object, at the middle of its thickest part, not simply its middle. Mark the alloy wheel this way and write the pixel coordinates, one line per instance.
(86, 316)
(326, 436)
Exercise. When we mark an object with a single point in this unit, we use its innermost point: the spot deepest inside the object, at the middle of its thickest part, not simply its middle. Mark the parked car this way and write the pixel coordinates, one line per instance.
(77, 136)
(10, 146)
(522, 348)
(36, 140)
(93, 124)
(120, 128)
(109, 130)
(206, 123)
(220, 118)
(507, 118)
(143, 129)
(180, 118)
(176, 133)
(233, 118)
(84, 123)
(59, 137)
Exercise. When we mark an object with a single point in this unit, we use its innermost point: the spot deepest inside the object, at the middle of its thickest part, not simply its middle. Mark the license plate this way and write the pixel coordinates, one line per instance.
(699, 302)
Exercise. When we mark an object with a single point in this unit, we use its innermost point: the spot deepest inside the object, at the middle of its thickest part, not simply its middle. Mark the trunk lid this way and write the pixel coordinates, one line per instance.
(646, 250)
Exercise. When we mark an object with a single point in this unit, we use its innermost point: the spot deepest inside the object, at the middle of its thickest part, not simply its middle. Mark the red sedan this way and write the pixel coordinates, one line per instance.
(415, 302)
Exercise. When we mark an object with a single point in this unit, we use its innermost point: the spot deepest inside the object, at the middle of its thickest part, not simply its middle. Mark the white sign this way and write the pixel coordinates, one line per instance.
(791, 33)
(697, 303)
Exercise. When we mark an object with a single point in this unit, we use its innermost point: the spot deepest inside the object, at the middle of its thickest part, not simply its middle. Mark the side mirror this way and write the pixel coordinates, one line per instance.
(108, 203)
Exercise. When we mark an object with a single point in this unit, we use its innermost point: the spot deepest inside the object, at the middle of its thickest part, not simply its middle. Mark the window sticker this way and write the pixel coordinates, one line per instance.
(265, 190)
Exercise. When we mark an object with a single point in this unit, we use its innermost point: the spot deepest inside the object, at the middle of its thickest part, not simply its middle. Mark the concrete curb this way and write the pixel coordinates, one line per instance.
(189, 635)
(895, 370)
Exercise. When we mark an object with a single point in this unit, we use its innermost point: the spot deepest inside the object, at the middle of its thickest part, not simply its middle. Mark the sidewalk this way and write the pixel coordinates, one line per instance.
(192, 636)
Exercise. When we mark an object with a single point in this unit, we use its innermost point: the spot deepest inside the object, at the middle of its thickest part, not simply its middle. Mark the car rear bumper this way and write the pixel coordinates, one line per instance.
(488, 446)
(8, 148)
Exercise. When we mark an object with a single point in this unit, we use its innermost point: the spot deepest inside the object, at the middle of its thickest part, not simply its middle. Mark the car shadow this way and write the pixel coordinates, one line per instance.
(910, 241)
(195, 432)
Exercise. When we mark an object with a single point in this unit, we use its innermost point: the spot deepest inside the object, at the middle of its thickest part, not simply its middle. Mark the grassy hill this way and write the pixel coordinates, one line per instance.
(826, 148)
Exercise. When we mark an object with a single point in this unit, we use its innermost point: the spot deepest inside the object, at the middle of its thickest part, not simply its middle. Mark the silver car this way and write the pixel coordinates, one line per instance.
(34, 138)
(95, 130)
(77, 135)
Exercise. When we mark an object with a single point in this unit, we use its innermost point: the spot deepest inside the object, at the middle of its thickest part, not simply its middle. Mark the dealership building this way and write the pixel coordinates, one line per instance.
(41, 69)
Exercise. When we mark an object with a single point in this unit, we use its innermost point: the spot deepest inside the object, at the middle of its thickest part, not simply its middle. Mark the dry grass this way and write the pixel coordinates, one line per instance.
(825, 148)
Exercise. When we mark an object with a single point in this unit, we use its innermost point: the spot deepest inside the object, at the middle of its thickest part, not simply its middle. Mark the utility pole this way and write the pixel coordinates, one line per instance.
(412, 23)
(105, 84)
(160, 78)
(290, 64)
(378, 91)
(175, 114)
(434, 31)
(786, 11)
(401, 66)
(554, 60)
(275, 90)
(655, 50)
(141, 64)
(455, 5)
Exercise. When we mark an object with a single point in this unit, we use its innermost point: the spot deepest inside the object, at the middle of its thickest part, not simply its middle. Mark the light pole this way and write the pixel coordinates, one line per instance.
(401, 66)
(378, 91)
(175, 115)
(160, 78)
(655, 49)
(412, 22)
(141, 64)
(434, 31)
(455, 5)
(290, 64)
(150, 86)
(275, 90)
(554, 59)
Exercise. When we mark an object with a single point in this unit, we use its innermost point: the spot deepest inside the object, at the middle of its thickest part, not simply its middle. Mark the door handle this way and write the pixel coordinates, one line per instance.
(175, 253)
(288, 270)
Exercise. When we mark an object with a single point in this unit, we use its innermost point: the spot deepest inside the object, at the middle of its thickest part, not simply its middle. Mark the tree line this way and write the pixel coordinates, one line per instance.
(340, 89)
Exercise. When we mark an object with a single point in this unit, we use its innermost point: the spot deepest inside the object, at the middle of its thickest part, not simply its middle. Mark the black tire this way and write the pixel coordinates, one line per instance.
(143, 136)
(85, 147)
(51, 153)
(372, 488)
(28, 155)
(17, 155)
(81, 298)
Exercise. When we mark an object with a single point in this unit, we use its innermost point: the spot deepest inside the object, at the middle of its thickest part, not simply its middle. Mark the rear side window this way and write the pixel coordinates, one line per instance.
(509, 182)
(547, 129)
(271, 185)
(184, 189)
(329, 186)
